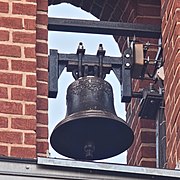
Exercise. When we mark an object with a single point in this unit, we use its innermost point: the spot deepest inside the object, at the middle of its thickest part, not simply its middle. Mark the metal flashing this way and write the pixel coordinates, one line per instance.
(111, 167)
(51, 169)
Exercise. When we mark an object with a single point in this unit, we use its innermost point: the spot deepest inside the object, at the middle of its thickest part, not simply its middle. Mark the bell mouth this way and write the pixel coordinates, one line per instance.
(105, 134)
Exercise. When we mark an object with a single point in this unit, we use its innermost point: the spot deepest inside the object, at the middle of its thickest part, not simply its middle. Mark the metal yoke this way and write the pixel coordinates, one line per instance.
(91, 65)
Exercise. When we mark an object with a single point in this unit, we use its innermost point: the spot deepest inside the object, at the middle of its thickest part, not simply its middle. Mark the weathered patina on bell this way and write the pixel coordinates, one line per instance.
(91, 129)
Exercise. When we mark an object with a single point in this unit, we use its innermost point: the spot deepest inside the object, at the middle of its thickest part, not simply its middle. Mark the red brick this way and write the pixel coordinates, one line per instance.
(163, 24)
(10, 78)
(178, 149)
(148, 20)
(23, 124)
(3, 64)
(42, 103)
(11, 137)
(24, 9)
(10, 50)
(106, 14)
(42, 118)
(149, 2)
(24, 66)
(10, 107)
(175, 112)
(42, 5)
(42, 34)
(148, 152)
(3, 92)
(30, 109)
(145, 163)
(177, 57)
(4, 35)
(147, 123)
(148, 137)
(126, 15)
(4, 7)
(31, 1)
(31, 81)
(3, 151)
(86, 5)
(29, 52)
(42, 132)
(23, 152)
(3, 122)
(168, 9)
(42, 75)
(9, 22)
(23, 94)
(42, 48)
(22, 37)
(42, 147)
(42, 19)
(168, 132)
(148, 10)
(117, 13)
(30, 138)
(176, 5)
(30, 24)
(132, 16)
(175, 82)
(42, 89)
(42, 62)
(177, 91)
(166, 32)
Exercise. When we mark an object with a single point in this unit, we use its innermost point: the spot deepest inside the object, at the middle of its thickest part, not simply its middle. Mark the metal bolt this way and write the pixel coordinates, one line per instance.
(127, 55)
(27, 167)
(80, 46)
(100, 47)
(89, 149)
(127, 64)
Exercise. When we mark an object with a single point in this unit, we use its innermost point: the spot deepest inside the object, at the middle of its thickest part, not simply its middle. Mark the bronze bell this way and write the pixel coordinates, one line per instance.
(91, 129)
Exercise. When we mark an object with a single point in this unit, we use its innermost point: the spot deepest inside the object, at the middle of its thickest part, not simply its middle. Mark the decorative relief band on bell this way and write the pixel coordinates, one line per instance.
(93, 84)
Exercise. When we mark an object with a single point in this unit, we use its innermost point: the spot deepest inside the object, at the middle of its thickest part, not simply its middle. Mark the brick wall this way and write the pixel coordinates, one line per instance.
(17, 71)
(170, 10)
(143, 150)
(23, 68)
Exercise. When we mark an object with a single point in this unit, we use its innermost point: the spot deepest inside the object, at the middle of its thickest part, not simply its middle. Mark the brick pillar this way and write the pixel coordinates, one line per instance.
(17, 72)
(171, 45)
(23, 82)
(42, 77)
(143, 150)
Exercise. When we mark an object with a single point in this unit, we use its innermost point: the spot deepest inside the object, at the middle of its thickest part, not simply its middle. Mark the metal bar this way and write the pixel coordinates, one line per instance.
(53, 74)
(104, 27)
(126, 86)
(90, 60)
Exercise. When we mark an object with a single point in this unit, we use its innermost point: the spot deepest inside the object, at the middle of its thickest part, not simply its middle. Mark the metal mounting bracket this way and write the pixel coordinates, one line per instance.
(121, 66)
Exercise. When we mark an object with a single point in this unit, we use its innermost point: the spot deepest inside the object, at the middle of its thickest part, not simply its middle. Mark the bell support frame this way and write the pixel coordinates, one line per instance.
(121, 67)
(131, 65)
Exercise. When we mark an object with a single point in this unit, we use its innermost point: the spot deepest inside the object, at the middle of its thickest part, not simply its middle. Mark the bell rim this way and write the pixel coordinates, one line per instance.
(91, 114)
